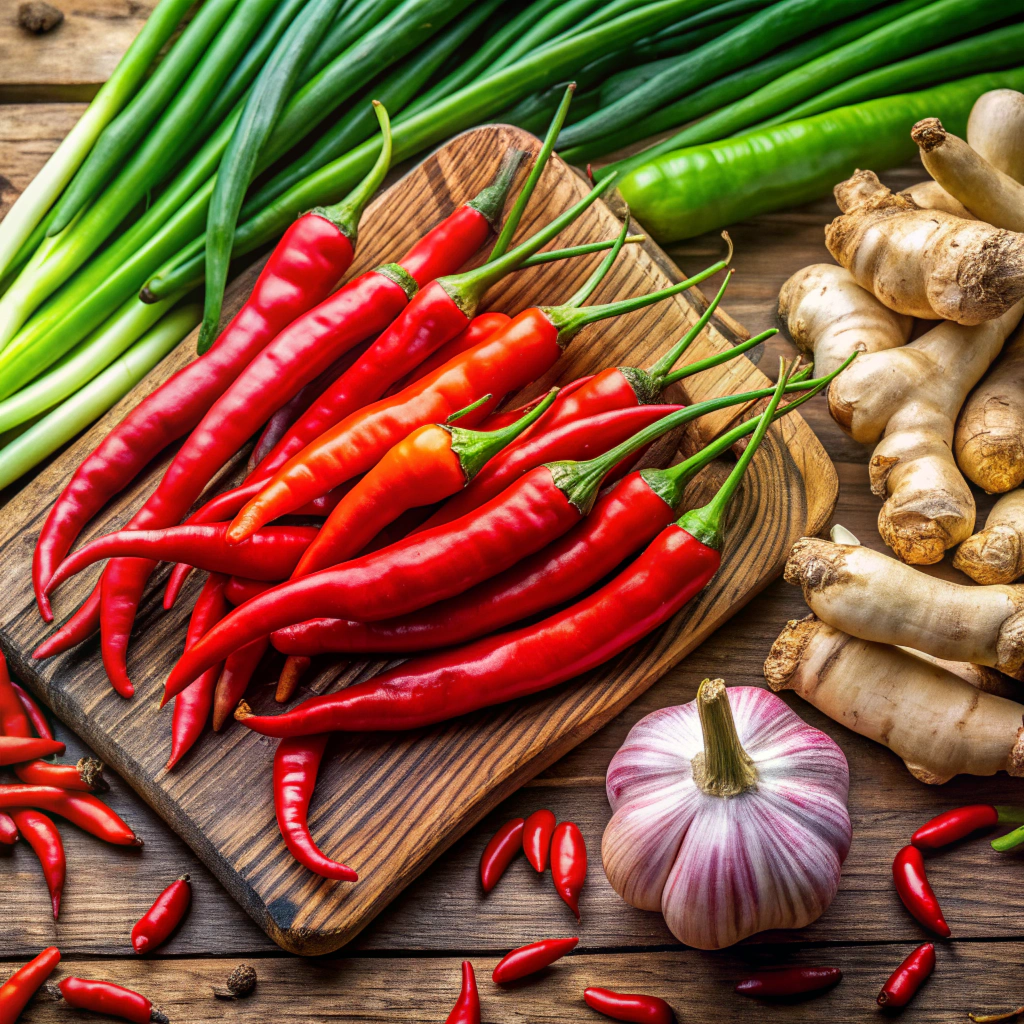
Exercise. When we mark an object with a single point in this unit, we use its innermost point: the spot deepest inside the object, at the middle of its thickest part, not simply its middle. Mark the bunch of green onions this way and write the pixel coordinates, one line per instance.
(260, 110)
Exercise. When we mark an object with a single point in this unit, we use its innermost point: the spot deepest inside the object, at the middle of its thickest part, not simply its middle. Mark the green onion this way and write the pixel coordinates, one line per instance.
(103, 391)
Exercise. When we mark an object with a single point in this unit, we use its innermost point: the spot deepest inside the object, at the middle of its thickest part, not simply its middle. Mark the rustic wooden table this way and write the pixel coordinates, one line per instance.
(405, 967)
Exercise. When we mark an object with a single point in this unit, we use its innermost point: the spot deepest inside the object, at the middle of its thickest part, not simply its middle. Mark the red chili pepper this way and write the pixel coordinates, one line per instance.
(912, 884)
(296, 764)
(301, 272)
(429, 567)
(82, 624)
(81, 809)
(537, 833)
(679, 563)
(17, 749)
(789, 981)
(108, 998)
(431, 464)
(467, 1007)
(9, 834)
(192, 705)
(952, 825)
(34, 712)
(500, 852)
(291, 675)
(42, 835)
(156, 924)
(235, 676)
(532, 958)
(624, 519)
(24, 983)
(569, 864)
(904, 982)
(239, 590)
(635, 1008)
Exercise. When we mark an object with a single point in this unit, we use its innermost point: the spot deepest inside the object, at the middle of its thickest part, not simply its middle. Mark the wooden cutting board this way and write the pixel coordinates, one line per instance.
(390, 804)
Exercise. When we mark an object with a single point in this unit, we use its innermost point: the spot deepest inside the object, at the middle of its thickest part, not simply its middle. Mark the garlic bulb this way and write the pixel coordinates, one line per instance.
(729, 816)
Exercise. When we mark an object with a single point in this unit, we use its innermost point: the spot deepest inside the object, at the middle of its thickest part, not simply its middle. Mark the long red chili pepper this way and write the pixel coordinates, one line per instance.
(789, 981)
(192, 706)
(676, 566)
(16, 749)
(569, 864)
(912, 884)
(537, 833)
(301, 272)
(467, 1007)
(431, 464)
(42, 835)
(500, 851)
(9, 833)
(530, 959)
(952, 825)
(904, 982)
(81, 809)
(34, 712)
(21, 986)
(429, 567)
(269, 554)
(295, 768)
(156, 924)
(235, 676)
(107, 998)
(635, 1008)
(624, 519)
(240, 589)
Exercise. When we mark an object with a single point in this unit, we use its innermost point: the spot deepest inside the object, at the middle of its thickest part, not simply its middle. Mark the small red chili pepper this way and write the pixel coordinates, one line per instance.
(569, 864)
(25, 982)
(952, 825)
(108, 998)
(35, 713)
(789, 981)
(537, 833)
(904, 982)
(156, 924)
(500, 852)
(293, 670)
(911, 880)
(41, 834)
(239, 590)
(532, 958)
(17, 749)
(81, 809)
(9, 834)
(467, 1007)
(235, 676)
(634, 1008)
(295, 766)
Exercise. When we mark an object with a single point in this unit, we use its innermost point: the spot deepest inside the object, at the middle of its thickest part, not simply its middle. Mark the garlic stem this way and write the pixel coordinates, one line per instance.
(723, 768)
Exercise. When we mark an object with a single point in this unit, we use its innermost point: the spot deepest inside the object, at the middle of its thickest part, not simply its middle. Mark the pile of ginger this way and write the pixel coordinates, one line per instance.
(942, 263)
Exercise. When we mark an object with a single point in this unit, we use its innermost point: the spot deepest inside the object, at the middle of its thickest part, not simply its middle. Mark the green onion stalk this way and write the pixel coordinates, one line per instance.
(106, 389)
(32, 205)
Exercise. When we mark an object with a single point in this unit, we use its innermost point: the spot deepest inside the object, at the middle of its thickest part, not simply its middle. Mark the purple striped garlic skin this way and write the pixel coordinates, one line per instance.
(722, 867)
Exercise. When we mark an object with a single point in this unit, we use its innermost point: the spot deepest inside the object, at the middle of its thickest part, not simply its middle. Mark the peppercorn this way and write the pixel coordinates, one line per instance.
(241, 982)
(38, 17)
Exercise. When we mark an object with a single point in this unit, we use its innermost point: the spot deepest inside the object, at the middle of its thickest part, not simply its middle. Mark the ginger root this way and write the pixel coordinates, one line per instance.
(930, 195)
(924, 263)
(995, 130)
(986, 191)
(989, 440)
(906, 401)
(938, 724)
(996, 554)
(874, 597)
(829, 315)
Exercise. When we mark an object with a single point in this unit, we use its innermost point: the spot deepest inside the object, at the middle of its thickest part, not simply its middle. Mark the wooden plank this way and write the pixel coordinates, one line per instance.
(73, 60)
(397, 802)
(968, 976)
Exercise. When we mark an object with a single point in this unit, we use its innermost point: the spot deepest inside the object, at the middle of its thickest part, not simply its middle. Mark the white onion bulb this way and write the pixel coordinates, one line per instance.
(729, 822)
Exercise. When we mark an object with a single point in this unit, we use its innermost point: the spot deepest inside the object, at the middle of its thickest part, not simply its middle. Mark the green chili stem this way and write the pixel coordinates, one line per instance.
(718, 358)
(1010, 841)
(458, 414)
(590, 285)
(554, 255)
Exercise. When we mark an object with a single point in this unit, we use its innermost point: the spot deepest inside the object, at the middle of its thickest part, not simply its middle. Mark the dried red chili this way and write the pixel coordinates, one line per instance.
(156, 924)
(789, 981)
(569, 864)
(904, 982)
(108, 998)
(42, 835)
(532, 958)
(637, 1009)
(500, 852)
(467, 1007)
(25, 982)
(537, 833)
(908, 872)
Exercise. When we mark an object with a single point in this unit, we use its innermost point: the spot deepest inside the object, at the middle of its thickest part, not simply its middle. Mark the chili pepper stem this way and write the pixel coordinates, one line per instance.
(717, 359)
(518, 208)
(591, 283)
(723, 768)
(458, 414)
(345, 214)
(1010, 841)
(491, 200)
